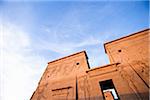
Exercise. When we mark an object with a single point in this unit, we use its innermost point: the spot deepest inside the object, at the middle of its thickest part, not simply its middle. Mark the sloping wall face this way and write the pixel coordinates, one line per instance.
(130, 49)
(133, 54)
(120, 85)
(59, 78)
(126, 78)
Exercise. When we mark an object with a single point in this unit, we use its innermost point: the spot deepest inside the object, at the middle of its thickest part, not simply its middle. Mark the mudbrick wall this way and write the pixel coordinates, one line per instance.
(125, 78)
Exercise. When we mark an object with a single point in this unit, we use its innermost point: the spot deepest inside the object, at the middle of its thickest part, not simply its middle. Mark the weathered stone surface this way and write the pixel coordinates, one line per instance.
(70, 78)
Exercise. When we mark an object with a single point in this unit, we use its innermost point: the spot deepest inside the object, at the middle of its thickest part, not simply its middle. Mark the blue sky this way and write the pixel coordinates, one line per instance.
(34, 33)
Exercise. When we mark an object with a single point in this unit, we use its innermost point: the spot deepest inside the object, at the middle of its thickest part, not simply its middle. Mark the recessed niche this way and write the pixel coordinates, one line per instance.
(119, 50)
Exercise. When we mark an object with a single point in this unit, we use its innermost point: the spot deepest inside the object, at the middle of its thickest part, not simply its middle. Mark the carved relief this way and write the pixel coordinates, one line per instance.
(62, 93)
(142, 69)
(129, 78)
(63, 69)
(84, 88)
(68, 68)
(52, 71)
(41, 92)
(73, 65)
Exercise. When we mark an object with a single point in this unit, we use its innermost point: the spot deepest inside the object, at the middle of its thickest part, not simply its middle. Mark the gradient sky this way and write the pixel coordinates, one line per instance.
(34, 33)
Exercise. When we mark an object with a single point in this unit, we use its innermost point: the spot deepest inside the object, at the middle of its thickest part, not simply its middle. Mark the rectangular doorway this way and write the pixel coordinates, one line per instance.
(108, 90)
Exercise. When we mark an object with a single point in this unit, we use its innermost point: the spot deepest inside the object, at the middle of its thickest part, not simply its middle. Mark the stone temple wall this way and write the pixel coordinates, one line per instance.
(133, 54)
(125, 78)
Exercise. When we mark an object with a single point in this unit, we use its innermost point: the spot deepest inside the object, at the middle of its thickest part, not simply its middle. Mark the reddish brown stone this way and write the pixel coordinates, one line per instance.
(127, 75)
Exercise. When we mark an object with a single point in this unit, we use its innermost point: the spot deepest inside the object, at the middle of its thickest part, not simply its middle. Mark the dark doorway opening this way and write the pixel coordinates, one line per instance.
(108, 90)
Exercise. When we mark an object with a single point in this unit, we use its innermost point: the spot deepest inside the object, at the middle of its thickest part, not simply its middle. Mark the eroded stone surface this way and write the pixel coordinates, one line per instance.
(70, 78)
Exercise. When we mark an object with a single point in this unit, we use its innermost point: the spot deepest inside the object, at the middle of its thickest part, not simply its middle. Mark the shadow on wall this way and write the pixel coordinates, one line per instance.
(123, 97)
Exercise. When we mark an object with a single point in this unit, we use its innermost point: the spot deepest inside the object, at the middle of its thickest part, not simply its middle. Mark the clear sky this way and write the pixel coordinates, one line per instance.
(34, 33)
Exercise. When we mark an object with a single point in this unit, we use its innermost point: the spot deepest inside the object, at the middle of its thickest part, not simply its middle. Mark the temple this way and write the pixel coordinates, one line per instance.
(125, 78)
